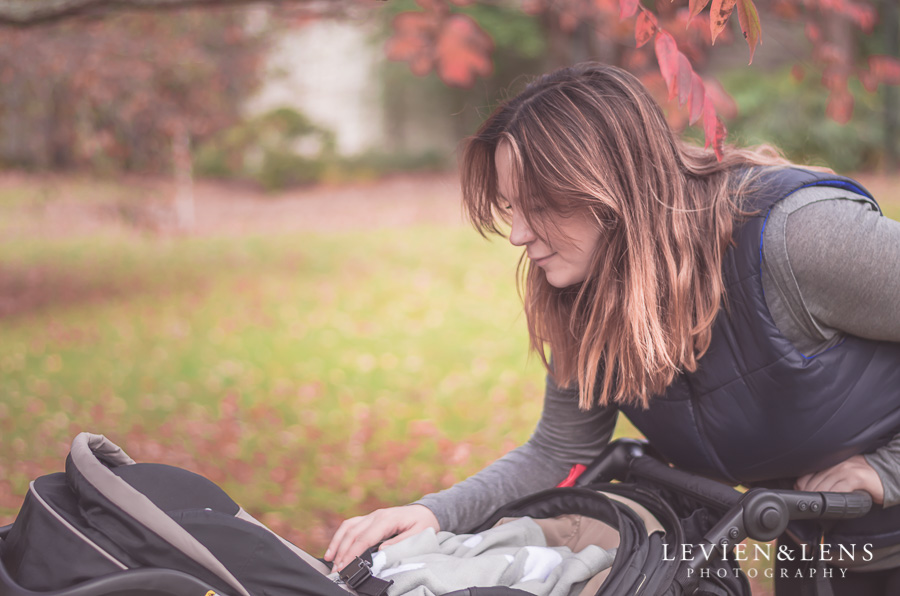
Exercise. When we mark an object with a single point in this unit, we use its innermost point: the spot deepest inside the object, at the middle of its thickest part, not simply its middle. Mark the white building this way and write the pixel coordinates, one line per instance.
(330, 71)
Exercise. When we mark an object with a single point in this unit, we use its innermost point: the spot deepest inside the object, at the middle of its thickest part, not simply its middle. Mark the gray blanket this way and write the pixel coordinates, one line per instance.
(513, 554)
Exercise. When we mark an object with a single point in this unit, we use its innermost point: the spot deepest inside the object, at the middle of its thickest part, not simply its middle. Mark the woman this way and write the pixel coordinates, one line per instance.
(741, 313)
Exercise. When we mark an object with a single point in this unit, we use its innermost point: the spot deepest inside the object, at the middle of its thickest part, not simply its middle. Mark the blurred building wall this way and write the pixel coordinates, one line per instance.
(328, 71)
(332, 71)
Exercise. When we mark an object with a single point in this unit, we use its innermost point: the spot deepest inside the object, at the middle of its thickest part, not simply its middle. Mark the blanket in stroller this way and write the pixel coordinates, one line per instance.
(514, 554)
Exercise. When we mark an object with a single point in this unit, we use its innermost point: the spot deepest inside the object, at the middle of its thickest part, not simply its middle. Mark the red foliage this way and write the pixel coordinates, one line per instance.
(885, 69)
(713, 129)
(749, 20)
(719, 13)
(115, 90)
(682, 38)
(454, 44)
(840, 106)
(463, 52)
(627, 8)
(697, 99)
(696, 6)
(667, 55)
(645, 27)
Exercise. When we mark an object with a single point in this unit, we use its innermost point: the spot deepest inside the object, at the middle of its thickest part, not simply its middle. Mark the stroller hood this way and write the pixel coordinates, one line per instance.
(107, 513)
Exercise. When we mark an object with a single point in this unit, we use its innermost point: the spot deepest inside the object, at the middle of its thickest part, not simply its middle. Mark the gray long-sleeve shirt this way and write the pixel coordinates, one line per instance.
(831, 265)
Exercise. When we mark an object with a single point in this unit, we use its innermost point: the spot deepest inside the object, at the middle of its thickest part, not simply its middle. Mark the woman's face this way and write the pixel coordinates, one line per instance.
(565, 256)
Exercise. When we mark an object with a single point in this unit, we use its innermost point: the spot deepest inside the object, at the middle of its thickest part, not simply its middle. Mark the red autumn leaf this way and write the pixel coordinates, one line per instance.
(723, 103)
(695, 6)
(869, 81)
(831, 53)
(840, 106)
(713, 129)
(568, 19)
(719, 141)
(412, 39)
(421, 64)
(834, 79)
(885, 69)
(813, 33)
(864, 16)
(698, 95)
(709, 120)
(718, 16)
(667, 56)
(645, 27)
(463, 51)
(683, 79)
(627, 8)
(749, 20)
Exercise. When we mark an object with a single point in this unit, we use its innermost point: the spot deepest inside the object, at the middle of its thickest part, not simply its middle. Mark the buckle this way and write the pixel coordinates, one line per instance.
(358, 575)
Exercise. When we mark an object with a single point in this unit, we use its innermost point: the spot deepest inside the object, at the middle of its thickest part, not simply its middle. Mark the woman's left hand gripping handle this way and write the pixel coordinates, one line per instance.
(851, 474)
(357, 534)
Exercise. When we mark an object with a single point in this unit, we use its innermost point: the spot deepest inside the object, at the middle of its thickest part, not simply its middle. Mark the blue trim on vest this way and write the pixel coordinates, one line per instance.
(843, 184)
(837, 345)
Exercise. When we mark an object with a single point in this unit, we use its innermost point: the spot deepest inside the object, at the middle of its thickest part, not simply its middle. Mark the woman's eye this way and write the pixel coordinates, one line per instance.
(506, 207)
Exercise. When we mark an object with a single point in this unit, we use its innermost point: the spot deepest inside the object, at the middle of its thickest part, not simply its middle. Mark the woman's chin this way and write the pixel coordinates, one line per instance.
(559, 280)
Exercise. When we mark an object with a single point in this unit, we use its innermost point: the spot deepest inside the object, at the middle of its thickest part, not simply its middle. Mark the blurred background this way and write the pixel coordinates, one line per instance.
(231, 239)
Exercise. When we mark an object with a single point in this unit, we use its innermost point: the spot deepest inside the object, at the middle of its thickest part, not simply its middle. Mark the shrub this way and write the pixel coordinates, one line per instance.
(276, 149)
(790, 114)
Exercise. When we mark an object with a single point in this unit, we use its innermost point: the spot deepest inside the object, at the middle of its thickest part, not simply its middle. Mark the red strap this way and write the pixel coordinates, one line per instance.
(574, 473)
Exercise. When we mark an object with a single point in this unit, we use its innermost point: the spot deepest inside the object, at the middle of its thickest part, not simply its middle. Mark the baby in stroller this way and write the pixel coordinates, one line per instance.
(109, 526)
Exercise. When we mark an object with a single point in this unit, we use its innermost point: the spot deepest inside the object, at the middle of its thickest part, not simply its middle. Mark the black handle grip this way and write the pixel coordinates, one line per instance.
(846, 505)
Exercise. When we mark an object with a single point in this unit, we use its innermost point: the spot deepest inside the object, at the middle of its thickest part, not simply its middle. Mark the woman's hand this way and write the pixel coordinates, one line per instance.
(849, 475)
(359, 533)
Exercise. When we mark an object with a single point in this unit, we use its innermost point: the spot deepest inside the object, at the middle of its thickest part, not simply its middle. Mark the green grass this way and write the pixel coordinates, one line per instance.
(314, 376)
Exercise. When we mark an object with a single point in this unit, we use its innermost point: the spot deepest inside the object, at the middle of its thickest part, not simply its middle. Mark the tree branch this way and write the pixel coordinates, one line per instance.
(29, 13)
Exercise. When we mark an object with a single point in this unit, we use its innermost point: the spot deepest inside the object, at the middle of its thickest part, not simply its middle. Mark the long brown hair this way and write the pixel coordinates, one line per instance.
(590, 140)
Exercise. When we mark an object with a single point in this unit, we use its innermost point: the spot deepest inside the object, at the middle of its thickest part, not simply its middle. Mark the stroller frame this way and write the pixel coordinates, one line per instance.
(760, 514)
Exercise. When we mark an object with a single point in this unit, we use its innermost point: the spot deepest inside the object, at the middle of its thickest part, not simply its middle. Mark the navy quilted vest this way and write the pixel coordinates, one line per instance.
(757, 411)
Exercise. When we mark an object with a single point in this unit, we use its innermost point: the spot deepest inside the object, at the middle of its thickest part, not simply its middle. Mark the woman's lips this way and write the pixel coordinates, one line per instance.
(540, 261)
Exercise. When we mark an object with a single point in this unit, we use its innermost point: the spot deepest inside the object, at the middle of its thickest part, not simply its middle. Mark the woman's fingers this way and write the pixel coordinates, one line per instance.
(367, 532)
(852, 474)
(338, 537)
(357, 534)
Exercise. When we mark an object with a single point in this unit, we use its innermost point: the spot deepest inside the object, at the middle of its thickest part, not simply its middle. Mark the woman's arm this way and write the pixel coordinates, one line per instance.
(844, 265)
(565, 435)
(846, 258)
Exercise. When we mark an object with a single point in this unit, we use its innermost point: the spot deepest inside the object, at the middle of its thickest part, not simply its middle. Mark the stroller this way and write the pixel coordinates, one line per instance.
(111, 527)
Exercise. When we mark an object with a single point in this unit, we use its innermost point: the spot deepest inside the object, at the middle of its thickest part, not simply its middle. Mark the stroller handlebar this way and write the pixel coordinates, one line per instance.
(760, 513)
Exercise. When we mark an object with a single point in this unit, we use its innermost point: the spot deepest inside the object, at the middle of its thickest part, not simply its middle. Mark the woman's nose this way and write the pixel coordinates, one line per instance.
(521, 233)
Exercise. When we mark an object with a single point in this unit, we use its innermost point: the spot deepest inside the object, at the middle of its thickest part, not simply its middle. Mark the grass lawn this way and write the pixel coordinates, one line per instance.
(307, 374)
